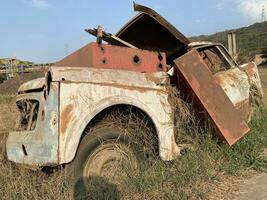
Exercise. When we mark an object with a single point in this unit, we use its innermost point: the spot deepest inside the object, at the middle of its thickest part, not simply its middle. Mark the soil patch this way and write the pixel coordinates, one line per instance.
(11, 86)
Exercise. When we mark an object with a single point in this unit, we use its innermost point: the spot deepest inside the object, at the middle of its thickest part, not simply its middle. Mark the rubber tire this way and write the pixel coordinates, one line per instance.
(90, 142)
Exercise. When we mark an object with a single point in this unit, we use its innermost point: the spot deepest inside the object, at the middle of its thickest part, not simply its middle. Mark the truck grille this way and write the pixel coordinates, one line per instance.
(28, 114)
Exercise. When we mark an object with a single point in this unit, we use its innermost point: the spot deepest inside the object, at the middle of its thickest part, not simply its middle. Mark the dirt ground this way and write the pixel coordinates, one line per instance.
(254, 188)
(11, 86)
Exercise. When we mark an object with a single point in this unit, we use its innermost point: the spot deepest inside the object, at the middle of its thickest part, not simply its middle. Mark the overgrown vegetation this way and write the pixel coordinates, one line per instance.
(194, 175)
(2, 78)
(251, 40)
(188, 176)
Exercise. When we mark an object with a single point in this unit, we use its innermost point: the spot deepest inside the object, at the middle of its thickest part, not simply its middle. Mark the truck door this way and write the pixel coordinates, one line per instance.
(229, 76)
(197, 78)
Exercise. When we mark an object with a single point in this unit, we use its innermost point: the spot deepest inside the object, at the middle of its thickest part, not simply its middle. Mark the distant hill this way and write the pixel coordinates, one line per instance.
(251, 40)
(14, 61)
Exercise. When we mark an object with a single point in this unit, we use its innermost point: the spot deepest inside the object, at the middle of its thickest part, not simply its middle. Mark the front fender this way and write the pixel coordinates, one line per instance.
(79, 110)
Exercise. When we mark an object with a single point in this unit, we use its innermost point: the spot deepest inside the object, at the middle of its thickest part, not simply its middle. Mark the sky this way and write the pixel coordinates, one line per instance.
(47, 30)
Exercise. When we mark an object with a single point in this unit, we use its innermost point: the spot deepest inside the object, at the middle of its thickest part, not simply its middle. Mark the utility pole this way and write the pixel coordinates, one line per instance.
(232, 44)
(263, 19)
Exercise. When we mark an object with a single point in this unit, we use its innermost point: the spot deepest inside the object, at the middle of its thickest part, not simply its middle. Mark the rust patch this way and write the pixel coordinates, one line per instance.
(250, 69)
(65, 118)
(157, 80)
(173, 147)
(73, 97)
(244, 108)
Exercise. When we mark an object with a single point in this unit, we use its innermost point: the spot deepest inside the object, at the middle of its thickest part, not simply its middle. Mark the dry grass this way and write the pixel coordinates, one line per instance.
(17, 182)
(8, 115)
(207, 172)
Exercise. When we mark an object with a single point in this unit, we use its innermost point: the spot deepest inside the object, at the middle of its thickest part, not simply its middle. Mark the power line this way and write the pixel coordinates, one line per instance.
(66, 49)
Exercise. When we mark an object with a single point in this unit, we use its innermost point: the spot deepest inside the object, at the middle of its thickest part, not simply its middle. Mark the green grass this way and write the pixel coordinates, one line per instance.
(186, 177)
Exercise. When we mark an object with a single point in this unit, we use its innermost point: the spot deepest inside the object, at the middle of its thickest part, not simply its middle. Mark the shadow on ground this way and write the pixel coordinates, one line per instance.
(95, 187)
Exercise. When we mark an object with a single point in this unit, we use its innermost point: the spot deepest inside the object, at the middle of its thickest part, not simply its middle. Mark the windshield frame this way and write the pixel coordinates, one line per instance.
(231, 61)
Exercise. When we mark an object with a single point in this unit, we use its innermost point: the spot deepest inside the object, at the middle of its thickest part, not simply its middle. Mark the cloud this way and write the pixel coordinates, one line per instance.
(250, 9)
(39, 3)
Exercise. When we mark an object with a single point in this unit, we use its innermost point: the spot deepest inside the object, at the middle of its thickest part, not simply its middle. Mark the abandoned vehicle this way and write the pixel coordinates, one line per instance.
(60, 121)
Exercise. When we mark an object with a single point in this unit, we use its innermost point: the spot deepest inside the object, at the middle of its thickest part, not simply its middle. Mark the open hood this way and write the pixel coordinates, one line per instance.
(33, 85)
(148, 30)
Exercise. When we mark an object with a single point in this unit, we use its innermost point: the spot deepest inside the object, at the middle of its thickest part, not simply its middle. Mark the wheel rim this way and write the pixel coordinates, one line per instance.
(110, 161)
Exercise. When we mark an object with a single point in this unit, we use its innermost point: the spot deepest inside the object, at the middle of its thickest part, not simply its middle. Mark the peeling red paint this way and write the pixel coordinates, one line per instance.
(92, 55)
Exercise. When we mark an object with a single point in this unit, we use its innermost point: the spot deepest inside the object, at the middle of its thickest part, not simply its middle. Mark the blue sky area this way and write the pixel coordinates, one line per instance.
(44, 30)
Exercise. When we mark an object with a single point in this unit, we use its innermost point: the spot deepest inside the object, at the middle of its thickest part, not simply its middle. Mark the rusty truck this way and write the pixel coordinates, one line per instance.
(131, 70)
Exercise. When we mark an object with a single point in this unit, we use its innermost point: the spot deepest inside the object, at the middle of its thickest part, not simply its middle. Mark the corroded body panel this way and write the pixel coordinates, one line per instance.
(77, 95)
(39, 146)
(83, 97)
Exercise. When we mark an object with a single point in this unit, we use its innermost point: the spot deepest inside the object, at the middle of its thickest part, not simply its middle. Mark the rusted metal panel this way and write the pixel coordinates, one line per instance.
(81, 101)
(240, 83)
(179, 36)
(115, 57)
(38, 147)
(208, 93)
(149, 30)
(245, 109)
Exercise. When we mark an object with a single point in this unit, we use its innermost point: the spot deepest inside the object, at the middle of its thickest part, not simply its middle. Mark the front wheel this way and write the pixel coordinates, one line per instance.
(103, 160)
